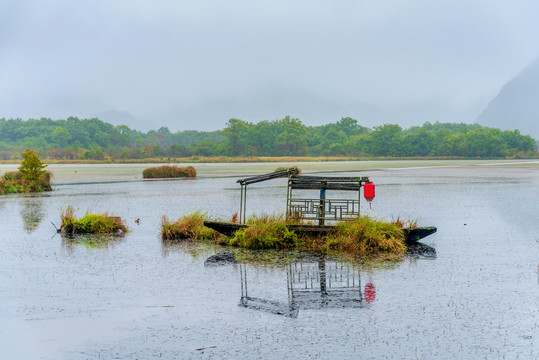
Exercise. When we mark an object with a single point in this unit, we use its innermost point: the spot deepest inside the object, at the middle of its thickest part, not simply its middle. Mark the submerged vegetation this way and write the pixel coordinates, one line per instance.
(362, 236)
(31, 176)
(91, 223)
(167, 171)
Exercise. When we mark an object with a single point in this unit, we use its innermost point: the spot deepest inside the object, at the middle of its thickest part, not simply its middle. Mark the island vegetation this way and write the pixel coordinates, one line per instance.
(92, 139)
(167, 171)
(31, 176)
(362, 236)
(91, 223)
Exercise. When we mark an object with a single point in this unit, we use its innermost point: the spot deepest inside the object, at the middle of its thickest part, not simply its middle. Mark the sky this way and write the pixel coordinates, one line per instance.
(192, 65)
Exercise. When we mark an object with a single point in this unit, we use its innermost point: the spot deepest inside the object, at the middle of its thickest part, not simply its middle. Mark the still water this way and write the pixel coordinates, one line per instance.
(476, 296)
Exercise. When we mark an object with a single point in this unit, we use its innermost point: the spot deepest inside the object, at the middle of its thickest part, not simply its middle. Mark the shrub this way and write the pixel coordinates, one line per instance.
(32, 168)
(15, 182)
(167, 171)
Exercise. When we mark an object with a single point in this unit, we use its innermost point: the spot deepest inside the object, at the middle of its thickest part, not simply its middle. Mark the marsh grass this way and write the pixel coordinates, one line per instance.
(267, 232)
(167, 171)
(13, 182)
(190, 226)
(405, 224)
(91, 223)
(362, 236)
(367, 236)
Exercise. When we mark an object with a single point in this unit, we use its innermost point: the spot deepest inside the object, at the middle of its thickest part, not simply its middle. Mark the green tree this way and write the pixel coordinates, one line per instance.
(31, 166)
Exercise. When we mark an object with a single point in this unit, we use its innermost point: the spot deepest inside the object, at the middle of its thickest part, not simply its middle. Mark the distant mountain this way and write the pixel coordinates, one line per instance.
(517, 104)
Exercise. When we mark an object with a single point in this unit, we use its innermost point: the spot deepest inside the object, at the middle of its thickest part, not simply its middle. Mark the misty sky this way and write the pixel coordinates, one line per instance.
(195, 64)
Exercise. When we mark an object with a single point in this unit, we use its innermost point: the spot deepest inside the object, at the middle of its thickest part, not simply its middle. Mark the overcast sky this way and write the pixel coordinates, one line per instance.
(195, 64)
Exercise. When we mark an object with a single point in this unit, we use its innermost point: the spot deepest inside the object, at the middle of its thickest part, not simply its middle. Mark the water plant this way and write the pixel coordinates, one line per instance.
(167, 171)
(366, 235)
(91, 223)
(266, 232)
(190, 226)
(361, 236)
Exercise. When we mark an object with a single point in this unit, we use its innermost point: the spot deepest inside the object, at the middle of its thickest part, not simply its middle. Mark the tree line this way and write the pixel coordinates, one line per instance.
(75, 138)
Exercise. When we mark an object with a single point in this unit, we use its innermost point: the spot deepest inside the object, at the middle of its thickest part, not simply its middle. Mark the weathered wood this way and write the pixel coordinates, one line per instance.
(307, 178)
(227, 228)
(264, 177)
(327, 186)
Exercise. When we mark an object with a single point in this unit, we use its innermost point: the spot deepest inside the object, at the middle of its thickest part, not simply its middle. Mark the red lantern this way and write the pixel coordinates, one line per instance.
(370, 292)
(368, 191)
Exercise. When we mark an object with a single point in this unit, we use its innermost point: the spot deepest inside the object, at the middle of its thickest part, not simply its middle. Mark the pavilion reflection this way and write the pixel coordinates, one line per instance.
(312, 283)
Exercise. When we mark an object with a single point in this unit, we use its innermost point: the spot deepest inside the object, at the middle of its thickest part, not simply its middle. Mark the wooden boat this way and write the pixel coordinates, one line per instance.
(320, 211)
(228, 228)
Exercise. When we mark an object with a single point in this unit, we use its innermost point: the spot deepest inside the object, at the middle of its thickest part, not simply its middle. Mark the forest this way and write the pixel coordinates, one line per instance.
(82, 139)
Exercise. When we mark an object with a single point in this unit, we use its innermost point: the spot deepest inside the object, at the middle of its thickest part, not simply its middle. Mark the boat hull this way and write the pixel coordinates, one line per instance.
(228, 228)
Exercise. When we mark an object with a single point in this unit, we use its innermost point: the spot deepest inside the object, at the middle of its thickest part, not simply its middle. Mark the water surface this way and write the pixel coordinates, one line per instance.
(138, 297)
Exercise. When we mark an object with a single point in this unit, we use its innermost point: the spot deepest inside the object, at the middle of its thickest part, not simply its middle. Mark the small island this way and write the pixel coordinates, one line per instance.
(362, 236)
(31, 176)
(167, 171)
(91, 223)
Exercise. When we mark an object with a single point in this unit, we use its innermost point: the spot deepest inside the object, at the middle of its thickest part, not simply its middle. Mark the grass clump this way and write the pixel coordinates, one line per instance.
(190, 226)
(367, 236)
(13, 182)
(91, 223)
(362, 236)
(167, 171)
(281, 168)
(265, 233)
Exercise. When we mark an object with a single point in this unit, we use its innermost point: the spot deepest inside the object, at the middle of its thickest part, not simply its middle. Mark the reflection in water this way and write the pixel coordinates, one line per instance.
(32, 213)
(316, 282)
(312, 284)
(91, 241)
(420, 251)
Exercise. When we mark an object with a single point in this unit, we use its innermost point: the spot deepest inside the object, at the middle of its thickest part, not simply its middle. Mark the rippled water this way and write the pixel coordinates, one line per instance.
(137, 297)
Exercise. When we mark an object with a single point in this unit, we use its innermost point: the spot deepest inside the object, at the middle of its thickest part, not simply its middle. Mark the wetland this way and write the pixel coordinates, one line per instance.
(471, 290)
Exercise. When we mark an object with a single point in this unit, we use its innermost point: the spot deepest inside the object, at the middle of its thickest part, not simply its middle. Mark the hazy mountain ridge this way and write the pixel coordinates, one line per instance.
(517, 104)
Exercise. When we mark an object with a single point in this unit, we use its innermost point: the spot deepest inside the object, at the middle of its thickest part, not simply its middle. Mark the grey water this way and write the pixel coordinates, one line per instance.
(135, 296)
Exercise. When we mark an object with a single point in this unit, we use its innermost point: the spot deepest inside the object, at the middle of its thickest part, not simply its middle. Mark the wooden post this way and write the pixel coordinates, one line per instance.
(322, 212)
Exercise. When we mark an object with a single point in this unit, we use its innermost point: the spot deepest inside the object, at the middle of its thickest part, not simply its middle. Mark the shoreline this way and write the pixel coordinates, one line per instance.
(258, 159)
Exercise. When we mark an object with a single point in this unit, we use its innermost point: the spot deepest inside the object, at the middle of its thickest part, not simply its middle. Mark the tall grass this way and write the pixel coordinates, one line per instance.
(167, 171)
(190, 226)
(91, 223)
(366, 236)
(265, 233)
(362, 236)
(14, 182)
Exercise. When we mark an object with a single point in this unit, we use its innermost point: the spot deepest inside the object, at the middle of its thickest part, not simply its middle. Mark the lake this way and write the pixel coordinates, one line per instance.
(475, 296)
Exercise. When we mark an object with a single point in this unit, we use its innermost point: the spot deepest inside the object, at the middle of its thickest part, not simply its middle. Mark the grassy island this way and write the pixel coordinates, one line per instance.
(167, 171)
(91, 223)
(362, 236)
(31, 176)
